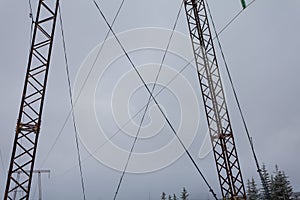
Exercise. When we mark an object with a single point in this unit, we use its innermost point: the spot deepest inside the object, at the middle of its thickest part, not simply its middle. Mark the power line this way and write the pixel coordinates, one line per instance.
(148, 103)
(156, 102)
(72, 104)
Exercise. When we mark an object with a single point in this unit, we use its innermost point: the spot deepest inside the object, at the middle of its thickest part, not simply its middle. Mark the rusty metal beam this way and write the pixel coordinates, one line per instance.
(225, 154)
(30, 114)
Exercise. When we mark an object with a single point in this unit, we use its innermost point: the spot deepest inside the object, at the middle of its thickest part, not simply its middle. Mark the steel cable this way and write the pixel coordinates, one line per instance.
(129, 120)
(98, 54)
(81, 89)
(148, 103)
(72, 104)
(233, 19)
(237, 99)
(32, 20)
(155, 101)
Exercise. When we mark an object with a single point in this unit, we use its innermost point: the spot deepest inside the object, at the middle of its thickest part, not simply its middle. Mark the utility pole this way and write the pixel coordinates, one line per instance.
(39, 172)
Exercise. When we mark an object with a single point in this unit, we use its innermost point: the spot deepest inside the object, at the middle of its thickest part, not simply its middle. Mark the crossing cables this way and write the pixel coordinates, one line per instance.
(154, 99)
(83, 85)
(148, 103)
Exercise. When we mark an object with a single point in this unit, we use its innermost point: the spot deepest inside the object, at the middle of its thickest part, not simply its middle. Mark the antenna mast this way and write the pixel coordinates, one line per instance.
(225, 154)
(30, 114)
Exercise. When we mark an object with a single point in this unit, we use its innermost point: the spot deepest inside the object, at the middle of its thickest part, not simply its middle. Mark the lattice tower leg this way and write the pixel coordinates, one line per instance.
(224, 149)
(29, 120)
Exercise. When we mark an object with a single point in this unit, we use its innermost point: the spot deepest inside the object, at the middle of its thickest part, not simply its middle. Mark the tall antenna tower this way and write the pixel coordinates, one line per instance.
(30, 114)
(221, 134)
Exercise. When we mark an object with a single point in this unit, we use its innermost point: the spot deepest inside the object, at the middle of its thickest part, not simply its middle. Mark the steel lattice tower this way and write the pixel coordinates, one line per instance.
(30, 114)
(225, 154)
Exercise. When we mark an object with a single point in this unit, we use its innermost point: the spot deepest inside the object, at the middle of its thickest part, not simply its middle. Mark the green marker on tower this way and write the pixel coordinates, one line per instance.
(243, 4)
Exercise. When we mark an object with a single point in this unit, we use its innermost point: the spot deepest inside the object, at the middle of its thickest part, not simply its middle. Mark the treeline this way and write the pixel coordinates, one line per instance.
(183, 196)
(278, 186)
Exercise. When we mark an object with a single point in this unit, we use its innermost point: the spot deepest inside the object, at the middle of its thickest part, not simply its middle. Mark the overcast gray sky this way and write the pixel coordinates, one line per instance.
(261, 48)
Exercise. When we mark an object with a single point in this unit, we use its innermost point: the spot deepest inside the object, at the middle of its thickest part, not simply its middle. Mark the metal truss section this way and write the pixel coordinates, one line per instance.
(29, 120)
(227, 163)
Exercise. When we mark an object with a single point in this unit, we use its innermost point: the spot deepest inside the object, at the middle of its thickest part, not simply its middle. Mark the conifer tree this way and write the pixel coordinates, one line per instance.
(280, 186)
(175, 197)
(252, 191)
(266, 176)
(184, 194)
(163, 196)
